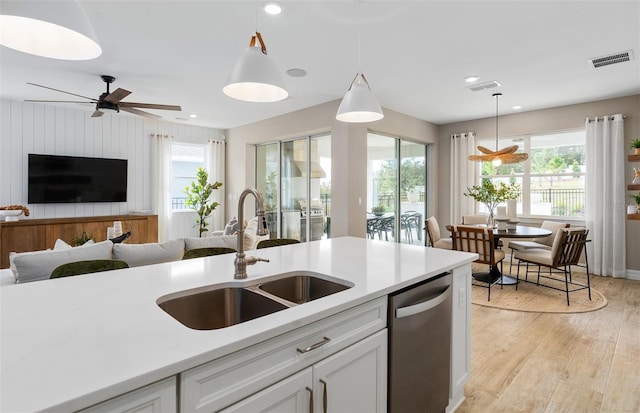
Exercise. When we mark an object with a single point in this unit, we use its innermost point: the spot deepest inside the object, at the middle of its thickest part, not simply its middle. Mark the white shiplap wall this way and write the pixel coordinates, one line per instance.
(37, 128)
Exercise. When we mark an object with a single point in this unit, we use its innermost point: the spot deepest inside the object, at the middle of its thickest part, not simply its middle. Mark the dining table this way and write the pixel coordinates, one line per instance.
(519, 232)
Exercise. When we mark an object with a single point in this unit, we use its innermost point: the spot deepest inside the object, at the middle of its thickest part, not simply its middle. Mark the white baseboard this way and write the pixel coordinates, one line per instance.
(633, 275)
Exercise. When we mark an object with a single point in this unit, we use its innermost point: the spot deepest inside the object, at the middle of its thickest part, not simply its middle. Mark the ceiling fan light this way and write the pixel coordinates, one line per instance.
(359, 104)
(53, 29)
(255, 78)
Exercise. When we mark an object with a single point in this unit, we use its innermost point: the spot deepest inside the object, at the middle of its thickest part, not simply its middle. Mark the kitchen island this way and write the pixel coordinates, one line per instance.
(70, 343)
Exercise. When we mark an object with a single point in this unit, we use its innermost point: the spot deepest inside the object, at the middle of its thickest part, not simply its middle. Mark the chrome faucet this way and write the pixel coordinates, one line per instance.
(241, 260)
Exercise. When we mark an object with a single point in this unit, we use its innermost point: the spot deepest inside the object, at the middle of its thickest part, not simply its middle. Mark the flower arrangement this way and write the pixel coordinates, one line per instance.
(491, 195)
(23, 208)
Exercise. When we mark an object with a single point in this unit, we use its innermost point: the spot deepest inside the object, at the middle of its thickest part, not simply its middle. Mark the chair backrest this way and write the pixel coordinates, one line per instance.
(474, 239)
(568, 246)
(276, 242)
(206, 252)
(554, 227)
(433, 230)
(474, 219)
(87, 267)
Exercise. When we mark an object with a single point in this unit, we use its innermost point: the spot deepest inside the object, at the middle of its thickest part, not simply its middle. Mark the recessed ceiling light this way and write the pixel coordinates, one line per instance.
(272, 8)
(470, 79)
(193, 115)
(297, 72)
(516, 107)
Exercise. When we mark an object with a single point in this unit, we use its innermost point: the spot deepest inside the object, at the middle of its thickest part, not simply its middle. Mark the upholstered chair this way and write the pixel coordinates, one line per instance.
(433, 233)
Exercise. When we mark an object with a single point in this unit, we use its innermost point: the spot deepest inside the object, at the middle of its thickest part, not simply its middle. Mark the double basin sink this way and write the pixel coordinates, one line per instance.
(211, 308)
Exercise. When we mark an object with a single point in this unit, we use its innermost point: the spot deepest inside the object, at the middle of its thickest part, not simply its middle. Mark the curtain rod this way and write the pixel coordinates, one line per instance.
(605, 117)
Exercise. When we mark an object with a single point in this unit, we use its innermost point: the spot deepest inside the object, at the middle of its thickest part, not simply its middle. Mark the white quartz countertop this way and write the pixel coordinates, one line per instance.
(72, 342)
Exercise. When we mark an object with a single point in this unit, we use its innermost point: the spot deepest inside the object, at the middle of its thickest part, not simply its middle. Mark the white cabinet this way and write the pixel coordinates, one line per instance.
(352, 380)
(159, 397)
(293, 394)
(460, 335)
(238, 376)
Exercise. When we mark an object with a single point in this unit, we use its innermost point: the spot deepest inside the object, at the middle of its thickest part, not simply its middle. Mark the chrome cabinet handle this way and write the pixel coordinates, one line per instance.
(321, 343)
(324, 396)
(310, 390)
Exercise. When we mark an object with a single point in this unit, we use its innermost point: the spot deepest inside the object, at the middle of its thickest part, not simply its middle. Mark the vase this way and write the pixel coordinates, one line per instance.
(491, 222)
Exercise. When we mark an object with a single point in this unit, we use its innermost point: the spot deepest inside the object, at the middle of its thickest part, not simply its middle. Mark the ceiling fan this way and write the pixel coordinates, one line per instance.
(111, 101)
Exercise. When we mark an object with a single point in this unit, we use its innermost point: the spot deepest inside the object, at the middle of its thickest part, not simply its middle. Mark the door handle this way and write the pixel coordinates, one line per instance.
(423, 306)
(310, 390)
(324, 396)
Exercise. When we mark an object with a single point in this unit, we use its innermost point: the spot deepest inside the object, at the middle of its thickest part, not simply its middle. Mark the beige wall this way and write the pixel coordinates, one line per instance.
(348, 153)
(546, 120)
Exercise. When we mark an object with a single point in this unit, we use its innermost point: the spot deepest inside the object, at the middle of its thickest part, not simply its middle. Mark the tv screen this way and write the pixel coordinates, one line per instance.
(72, 179)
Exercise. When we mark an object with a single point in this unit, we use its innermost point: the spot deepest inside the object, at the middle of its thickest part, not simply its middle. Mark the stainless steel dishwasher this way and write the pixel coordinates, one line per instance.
(420, 347)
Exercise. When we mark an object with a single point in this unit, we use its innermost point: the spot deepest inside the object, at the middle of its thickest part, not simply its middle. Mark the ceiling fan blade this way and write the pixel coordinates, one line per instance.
(117, 95)
(62, 91)
(97, 114)
(140, 113)
(149, 106)
(57, 101)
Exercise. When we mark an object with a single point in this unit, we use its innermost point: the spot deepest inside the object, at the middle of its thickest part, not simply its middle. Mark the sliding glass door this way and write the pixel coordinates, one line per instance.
(295, 178)
(396, 202)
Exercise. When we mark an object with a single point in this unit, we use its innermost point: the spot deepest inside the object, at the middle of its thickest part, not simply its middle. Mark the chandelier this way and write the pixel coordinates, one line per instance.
(498, 157)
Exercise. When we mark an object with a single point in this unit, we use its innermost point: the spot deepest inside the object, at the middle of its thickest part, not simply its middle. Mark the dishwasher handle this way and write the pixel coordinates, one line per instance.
(423, 306)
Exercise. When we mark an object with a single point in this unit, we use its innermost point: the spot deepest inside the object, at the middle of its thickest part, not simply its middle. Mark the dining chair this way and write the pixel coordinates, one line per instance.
(276, 242)
(206, 252)
(433, 234)
(566, 251)
(480, 240)
(544, 243)
(87, 267)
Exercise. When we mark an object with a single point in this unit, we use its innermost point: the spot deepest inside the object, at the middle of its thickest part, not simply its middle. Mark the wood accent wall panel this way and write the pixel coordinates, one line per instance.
(40, 234)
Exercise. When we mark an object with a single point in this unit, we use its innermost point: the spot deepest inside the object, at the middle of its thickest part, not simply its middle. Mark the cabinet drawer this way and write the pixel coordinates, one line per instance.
(220, 383)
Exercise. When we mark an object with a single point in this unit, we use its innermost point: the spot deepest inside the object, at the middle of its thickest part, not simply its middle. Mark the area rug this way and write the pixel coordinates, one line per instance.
(532, 298)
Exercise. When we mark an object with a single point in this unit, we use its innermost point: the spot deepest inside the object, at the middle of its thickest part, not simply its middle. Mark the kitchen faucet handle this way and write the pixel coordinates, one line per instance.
(253, 260)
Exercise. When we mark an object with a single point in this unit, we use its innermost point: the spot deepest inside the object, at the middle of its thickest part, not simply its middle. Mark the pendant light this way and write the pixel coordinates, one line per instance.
(499, 157)
(255, 77)
(54, 29)
(359, 104)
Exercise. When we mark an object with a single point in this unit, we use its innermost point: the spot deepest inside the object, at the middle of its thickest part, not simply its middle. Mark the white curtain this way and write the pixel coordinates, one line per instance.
(605, 195)
(215, 165)
(161, 195)
(463, 175)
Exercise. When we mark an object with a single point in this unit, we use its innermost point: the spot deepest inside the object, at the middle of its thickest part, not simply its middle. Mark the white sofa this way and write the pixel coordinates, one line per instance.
(38, 265)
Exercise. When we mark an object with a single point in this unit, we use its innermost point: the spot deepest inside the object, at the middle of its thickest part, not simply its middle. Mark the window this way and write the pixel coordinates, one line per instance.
(185, 161)
(552, 179)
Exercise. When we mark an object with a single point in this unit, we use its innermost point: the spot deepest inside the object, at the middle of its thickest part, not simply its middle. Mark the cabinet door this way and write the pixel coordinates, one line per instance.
(355, 379)
(460, 335)
(292, 394)
(159, 397)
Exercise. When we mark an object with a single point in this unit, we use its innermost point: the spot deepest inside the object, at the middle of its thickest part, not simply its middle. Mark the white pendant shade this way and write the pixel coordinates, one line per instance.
(54, 29)
(255, 78)
(359, 104)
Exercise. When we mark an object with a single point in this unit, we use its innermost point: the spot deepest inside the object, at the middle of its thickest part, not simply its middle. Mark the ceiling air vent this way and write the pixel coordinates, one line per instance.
(611, 59)
(485, 85)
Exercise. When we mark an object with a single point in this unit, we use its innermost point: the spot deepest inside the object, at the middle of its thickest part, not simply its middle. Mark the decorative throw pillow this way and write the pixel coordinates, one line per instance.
(38, 265)
(232, 226)
(145, 254)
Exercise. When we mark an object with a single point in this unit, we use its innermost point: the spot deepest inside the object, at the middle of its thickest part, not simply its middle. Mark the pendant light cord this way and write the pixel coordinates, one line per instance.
(359, 34)
(497, 95)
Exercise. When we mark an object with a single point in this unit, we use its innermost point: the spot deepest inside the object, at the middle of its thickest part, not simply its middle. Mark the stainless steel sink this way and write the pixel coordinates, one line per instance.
(302, 287)
(219, 308)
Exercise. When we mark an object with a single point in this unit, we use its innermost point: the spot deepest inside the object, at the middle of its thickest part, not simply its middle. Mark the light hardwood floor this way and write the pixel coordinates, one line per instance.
(536, 362)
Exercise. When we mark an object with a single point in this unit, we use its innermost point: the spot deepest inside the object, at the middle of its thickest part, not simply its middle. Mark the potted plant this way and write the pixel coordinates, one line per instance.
(636, 198)
(379, 210)
(491, 195)
(198, 198)
(635, 144)
(81, 240)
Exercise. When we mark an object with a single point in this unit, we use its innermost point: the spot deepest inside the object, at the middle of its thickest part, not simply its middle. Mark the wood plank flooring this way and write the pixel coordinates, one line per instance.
(535, 362)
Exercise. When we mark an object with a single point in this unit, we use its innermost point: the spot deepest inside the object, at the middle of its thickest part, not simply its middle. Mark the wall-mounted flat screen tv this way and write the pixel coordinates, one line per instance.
(74, 179)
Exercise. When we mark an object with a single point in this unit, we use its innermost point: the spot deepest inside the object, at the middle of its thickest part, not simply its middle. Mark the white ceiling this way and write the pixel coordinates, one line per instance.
(415, 55)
